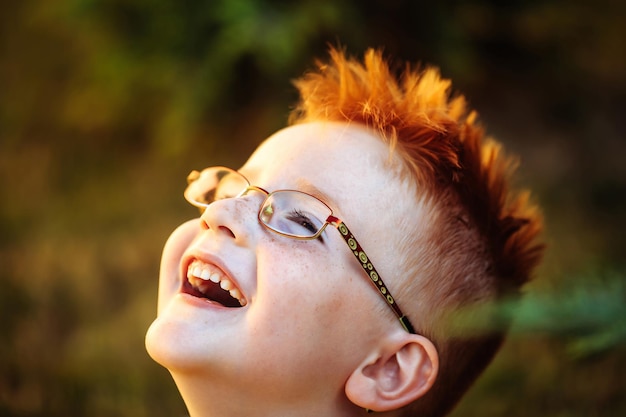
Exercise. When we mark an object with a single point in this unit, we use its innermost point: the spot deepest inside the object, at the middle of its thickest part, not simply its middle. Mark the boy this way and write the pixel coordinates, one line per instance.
(322, 277)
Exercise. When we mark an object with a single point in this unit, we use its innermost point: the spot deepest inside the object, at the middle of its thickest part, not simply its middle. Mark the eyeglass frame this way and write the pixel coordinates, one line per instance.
(348, 237)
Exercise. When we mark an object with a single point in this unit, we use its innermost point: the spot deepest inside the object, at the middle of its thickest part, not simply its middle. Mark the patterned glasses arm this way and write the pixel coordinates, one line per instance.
(369, 268)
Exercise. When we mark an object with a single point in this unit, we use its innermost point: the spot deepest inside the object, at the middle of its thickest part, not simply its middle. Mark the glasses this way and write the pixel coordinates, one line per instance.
(291, 213)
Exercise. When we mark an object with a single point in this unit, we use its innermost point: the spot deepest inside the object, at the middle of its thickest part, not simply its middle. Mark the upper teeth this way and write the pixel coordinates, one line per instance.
(203, 271)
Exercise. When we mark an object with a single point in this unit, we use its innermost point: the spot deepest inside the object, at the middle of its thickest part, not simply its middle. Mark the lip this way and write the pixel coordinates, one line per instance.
(213, 261)
(202, 302)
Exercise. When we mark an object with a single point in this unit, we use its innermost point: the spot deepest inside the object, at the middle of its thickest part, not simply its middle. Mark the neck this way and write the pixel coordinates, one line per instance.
(203, 400)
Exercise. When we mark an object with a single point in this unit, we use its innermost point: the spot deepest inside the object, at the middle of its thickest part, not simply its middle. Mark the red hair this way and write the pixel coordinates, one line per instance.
(479, 242)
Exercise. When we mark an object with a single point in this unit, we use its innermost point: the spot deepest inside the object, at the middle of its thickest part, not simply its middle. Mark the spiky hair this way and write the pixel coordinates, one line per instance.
(480, 241)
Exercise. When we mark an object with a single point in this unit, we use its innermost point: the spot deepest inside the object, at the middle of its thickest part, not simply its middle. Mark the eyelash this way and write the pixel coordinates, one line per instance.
(304, 221)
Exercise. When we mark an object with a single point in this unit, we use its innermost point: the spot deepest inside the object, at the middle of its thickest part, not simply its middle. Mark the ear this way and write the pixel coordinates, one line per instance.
(401, 371)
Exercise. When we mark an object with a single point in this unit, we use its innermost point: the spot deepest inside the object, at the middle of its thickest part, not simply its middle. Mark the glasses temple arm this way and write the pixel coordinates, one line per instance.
(369, 268)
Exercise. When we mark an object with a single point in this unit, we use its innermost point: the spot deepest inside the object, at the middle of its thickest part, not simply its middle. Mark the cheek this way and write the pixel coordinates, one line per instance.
(302, 289)
(308, 314)
(169, 274)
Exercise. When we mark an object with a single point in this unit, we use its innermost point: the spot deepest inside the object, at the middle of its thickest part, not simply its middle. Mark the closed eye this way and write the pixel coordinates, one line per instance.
(302, 220)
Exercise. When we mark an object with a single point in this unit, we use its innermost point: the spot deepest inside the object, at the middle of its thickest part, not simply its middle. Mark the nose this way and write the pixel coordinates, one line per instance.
(234, 218)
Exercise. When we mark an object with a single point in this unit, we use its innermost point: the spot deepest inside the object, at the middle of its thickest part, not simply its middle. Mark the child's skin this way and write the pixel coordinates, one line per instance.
(314, 337)
(403, 164)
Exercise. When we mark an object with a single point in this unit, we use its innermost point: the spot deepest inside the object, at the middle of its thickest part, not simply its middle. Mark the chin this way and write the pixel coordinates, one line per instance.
(157, 345)
(164, 344)
(174, 342)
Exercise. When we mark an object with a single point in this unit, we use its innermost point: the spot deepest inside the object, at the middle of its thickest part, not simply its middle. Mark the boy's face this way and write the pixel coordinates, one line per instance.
(310, 315)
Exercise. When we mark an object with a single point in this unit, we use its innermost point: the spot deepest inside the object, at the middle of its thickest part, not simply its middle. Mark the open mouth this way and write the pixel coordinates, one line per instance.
(208, 282)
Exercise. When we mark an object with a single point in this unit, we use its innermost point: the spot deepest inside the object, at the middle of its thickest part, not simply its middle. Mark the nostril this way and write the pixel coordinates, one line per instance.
(221, 219)
(205, 226)
(227, 230)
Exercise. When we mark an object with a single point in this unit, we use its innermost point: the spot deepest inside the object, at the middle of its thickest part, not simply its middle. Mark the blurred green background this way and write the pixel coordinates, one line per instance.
(105, 105)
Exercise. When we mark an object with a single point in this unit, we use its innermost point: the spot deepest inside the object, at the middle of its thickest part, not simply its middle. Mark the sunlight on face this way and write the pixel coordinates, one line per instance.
(310, 313)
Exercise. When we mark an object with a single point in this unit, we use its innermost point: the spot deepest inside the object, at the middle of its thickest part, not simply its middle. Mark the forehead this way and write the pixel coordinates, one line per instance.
(349, 165)
(335, 158)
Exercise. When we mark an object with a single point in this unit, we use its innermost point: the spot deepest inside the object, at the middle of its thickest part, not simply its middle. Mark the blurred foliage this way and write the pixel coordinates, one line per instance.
(105, 105)
(590, 317)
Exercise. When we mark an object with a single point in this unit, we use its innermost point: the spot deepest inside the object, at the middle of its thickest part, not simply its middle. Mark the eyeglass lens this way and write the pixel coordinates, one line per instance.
(294, 213)
(289, 212)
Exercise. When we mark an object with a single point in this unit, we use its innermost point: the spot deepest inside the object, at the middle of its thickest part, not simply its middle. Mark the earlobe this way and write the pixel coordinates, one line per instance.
(398, 374)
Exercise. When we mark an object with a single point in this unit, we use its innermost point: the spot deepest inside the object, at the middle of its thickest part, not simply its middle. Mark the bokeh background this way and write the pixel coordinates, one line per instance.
(105, 105)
